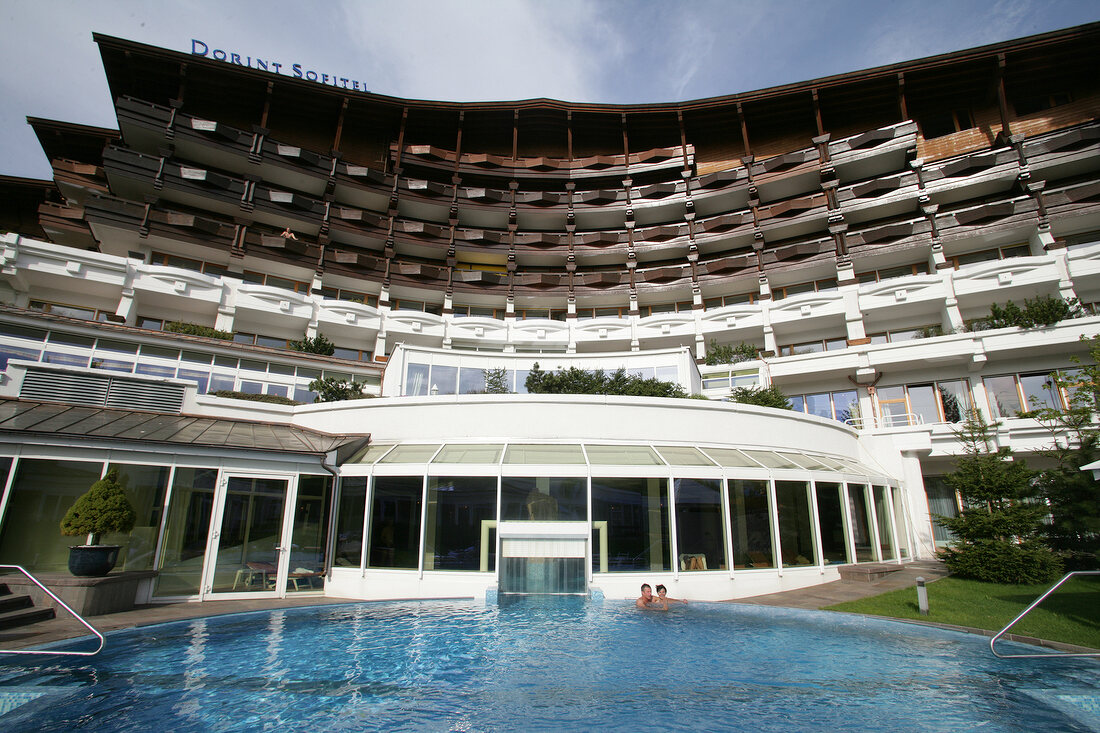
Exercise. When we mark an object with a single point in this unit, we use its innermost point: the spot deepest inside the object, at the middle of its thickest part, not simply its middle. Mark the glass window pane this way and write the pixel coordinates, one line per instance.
(954, 399)
(145, 488)
(469, 454)
(750, 522)
(410, 454)
(885, 528)
(309, 543)
(683, 456)
(622, 455)
(830, 515)
(730, 457)
(922, 403)
(471, 381)
(771, 460)
(819, 404)
(860, 515)
(700, 533)
(395, 522)
(942, 502)
(891, 401)
(1004, 400)
(534, 454)
(544, 499)
(349, 522)
(846, 405)
(184, 549)
(41, 493)
(416, 379)
(901, 523)
(444, 380)
(1040, 391)
(796, 538)
(370, 454)
(633, 512)
(459, 530)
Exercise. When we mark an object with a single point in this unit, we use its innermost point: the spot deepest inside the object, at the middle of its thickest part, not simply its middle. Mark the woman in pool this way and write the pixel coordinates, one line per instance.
(662, 596)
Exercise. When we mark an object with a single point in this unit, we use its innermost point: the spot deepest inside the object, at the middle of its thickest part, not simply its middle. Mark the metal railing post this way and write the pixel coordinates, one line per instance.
(1027, 610)
(64, 605)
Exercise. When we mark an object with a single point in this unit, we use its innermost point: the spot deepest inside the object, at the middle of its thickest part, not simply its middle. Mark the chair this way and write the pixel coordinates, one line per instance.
(693, 561)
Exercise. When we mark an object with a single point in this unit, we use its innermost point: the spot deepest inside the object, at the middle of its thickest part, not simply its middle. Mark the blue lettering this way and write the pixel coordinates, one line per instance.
(343, 82)
(261, 64)
(297, 70)
(356, 85)
(276, 65)
(195, 47)
(235, 58)
(311, 75)
(324, 78)
(218, 51)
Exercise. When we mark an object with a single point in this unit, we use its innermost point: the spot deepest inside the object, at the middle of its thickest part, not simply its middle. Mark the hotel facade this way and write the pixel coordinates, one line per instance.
(843, 235)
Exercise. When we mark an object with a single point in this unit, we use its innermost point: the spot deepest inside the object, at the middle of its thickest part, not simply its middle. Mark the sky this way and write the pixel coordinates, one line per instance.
(610, 51)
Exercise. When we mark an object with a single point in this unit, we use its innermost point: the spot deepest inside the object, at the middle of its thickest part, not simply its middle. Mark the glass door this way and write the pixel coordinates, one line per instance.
(248, 544)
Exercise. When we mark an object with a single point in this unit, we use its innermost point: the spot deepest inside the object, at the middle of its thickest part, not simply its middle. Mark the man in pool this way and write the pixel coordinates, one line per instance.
(647, 601)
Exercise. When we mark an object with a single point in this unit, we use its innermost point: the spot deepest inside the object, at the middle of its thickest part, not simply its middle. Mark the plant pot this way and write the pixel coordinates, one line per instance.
(92, 561)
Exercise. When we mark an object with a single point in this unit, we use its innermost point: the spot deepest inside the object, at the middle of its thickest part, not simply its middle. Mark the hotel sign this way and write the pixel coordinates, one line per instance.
(296, 71)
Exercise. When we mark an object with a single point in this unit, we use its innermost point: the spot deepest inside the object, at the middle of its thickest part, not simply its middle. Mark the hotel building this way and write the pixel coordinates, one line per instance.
(841, 234)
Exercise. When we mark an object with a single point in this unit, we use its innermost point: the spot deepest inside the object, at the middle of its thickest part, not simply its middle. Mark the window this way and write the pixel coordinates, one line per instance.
(889, 273)
(750, 523)
(988, 255)
(820, 286)
(71, 311)
(544, 499)
(554, 314)
(830, 514)
(700, 533)
(604, 312)
(274, 281)
(481, 311)
(404, 304)
(349, 521)
(352, 296)
(918, 404)
(395, 522)
(1012, 394)
(680, 307)
(1039, 102)
(938, 124)
(459, 523)
(634, 512)
(860, 513)
(796, 538)
(842, 405)
(724, 300)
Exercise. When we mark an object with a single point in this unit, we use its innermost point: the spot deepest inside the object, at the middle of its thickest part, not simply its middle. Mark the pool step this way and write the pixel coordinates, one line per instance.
(19, 610)
(867, 573)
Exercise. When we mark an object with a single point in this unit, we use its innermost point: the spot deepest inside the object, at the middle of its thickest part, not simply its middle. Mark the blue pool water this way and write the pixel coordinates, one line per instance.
(562, 664)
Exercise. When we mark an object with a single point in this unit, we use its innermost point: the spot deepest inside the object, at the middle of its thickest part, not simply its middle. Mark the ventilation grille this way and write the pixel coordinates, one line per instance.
(96, 390)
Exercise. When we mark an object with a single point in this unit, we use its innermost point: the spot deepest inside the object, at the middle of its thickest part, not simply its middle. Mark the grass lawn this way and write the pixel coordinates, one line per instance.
(1070, 615)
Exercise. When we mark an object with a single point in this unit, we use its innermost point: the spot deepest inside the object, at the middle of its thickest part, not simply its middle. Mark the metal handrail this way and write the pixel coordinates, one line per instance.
(64, 605)
(1027, 610)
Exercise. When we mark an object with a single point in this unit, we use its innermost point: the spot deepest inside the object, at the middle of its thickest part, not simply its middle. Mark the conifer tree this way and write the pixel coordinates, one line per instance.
(998, 534)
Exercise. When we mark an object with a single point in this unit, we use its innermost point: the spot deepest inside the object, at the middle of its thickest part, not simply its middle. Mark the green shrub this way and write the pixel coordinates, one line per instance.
(597, 381)
(331, 389)
(316, 345)
(496, 381)
(1044, 311)
(271, 398)
(193, 329)
(763, 396)
(726, 354)
(994, 561)
(101, 509)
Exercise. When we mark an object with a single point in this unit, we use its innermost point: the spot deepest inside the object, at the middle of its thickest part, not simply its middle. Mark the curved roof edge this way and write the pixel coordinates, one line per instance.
(1076, 33)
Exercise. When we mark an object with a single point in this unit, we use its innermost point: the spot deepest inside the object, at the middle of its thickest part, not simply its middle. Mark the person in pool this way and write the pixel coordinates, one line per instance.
(662, 597)
(647, 601)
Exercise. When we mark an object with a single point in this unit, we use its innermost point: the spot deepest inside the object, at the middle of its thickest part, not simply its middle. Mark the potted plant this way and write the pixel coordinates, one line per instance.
(103, 508)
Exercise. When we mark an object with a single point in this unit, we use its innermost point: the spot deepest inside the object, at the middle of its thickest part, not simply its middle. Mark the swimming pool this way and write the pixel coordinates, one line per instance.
(560, 663)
